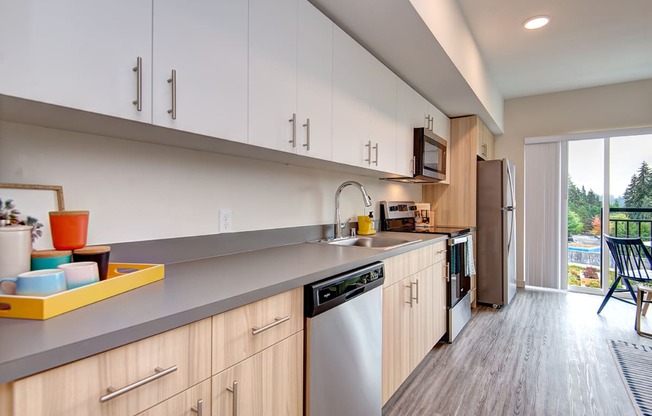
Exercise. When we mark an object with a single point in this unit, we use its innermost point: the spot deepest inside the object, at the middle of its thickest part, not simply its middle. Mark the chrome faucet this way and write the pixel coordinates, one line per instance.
(338, 221)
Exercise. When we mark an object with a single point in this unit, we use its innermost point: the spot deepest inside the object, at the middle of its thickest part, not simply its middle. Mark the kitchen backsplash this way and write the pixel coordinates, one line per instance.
(138, 191)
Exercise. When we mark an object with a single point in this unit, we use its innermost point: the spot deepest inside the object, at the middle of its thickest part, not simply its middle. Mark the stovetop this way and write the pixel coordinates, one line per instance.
(399, 216)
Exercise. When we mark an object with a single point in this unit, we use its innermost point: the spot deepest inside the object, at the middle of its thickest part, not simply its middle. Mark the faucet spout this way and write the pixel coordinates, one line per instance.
(365, 198)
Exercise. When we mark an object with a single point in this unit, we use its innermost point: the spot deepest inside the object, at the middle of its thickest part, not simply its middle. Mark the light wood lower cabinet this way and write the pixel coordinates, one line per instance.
(196, 401)
(414, 319)
(76, 388)
(244, 331)
(267, 383)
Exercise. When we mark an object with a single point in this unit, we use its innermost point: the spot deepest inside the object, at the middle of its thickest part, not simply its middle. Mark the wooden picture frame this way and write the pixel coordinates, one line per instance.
(36, 201)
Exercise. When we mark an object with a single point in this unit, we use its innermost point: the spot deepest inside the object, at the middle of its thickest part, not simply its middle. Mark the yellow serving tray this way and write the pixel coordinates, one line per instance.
(121, 278)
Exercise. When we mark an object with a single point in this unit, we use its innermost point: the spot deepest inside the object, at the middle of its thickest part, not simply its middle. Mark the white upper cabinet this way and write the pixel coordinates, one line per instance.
(314, 83)
(205, 43)
(440, 124)
(350, 101)
(273, 74)
(408, 117)
(78, 54)
(382, 106)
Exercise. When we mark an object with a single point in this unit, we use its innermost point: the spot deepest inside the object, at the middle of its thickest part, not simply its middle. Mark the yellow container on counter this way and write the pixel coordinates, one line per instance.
(365, 225)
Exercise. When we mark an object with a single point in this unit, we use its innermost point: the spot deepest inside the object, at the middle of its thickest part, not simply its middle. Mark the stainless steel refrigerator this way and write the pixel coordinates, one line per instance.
(496, 232)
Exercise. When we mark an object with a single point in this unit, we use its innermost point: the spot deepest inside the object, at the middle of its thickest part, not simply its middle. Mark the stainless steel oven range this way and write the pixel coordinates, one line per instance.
(399, 216)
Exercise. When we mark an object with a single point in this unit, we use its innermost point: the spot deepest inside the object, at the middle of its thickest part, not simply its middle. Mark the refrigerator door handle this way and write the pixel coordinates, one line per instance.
(511, 207)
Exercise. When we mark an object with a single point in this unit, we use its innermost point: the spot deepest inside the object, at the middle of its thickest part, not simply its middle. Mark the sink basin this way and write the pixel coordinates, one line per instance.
(383, 243)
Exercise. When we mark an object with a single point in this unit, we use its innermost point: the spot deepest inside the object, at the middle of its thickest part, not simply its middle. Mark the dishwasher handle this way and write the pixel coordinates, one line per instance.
(354, 293)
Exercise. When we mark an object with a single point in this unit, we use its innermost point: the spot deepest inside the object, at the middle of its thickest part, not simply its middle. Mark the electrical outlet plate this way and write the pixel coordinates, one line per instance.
(226, 220)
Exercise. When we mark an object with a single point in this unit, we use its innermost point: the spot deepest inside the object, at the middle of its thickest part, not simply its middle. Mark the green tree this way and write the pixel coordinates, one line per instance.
(585, 205)
(574, 223)
(639, 192)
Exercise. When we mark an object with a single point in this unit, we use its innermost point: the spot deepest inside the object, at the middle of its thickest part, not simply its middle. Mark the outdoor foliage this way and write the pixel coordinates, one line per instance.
(639, 192)
(583, 206)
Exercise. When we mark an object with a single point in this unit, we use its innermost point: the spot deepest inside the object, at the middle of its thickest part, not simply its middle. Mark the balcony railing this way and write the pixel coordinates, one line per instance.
(638, 222)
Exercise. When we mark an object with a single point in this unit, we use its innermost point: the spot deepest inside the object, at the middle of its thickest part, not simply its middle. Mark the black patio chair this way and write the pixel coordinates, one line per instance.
(633, 263)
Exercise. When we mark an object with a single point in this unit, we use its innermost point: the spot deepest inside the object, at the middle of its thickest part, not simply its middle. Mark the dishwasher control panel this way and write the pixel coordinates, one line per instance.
(326, 294)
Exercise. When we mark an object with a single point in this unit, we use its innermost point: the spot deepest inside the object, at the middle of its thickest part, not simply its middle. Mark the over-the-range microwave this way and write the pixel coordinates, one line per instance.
(429, 159)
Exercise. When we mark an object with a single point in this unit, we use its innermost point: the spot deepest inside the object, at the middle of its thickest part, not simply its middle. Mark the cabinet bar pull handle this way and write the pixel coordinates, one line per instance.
(427, 122)
(293, 120)
(432, 123)
(368, 159)
(234, 390)
(138, 69)
(414, 165)
(376, 161)
(199, 408)
(158, 373)
(448, 272)
(277, 321)
(173, 81)
(307, 126)
(416, 297)
(411, 297)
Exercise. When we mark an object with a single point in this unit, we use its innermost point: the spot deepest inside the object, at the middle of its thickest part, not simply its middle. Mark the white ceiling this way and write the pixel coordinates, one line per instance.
(587, 43)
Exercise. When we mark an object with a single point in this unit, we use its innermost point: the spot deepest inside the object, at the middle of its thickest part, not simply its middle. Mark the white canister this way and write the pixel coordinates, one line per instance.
(15, 250)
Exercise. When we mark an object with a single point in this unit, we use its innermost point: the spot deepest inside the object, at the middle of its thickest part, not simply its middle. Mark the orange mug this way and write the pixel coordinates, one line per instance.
(69, 229)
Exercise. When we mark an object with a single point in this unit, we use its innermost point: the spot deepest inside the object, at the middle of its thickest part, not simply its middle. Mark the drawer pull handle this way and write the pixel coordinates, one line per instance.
(199, 409)
(158, 373)
(234, 390)
(277, 321)
(441, 251)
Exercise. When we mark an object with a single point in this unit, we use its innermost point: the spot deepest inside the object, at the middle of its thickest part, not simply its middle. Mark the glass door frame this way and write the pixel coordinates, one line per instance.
(563, 234)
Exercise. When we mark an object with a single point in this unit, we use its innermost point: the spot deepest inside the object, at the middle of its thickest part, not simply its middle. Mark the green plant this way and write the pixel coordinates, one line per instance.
(8, 212)
(9, 215)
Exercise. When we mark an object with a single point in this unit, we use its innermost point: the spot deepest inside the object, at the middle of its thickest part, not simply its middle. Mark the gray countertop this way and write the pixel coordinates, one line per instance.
(192, 290)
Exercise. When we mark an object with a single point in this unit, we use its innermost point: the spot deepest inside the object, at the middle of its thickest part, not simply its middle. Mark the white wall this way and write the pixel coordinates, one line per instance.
(618, 106)
(138, 191)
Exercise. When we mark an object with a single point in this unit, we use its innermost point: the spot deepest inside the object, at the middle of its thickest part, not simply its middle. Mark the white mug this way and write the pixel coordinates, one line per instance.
(80, 274)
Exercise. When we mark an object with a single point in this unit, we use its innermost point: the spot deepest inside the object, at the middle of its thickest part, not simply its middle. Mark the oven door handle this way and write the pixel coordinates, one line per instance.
(457, 240)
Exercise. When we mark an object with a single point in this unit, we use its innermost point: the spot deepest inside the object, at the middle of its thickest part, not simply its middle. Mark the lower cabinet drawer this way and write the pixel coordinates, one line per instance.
(269, 383)
(196, 401)
(82, 387)
(244, 331)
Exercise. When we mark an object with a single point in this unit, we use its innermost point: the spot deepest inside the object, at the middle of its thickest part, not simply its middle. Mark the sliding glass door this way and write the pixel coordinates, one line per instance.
(619, 167)
(585, 190)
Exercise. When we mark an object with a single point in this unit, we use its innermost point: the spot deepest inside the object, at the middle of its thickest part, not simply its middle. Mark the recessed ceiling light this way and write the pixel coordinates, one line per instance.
(536, 22)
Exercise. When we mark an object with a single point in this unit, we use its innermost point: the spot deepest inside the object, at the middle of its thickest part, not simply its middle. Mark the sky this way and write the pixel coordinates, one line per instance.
(585, 159)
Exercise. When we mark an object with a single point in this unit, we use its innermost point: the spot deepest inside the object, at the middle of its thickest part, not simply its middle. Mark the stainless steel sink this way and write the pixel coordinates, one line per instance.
(381, 243)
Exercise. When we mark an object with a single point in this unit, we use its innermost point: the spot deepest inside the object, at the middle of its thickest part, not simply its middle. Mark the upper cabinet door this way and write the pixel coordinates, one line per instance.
(205, 43)
(273, 74)
(440, 124)
(406, 120)
(351, 144)
(78, 54)
(382, 127)
(314, 83)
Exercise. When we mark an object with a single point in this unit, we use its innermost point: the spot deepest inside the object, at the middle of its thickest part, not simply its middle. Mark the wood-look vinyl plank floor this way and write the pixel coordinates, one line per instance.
(545, 354)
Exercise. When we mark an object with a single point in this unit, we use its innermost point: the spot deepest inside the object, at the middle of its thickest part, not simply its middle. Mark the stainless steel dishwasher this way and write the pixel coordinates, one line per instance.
(344, 337)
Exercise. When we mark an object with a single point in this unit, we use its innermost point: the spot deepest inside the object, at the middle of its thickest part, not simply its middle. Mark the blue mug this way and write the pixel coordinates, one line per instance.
(39, 283)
